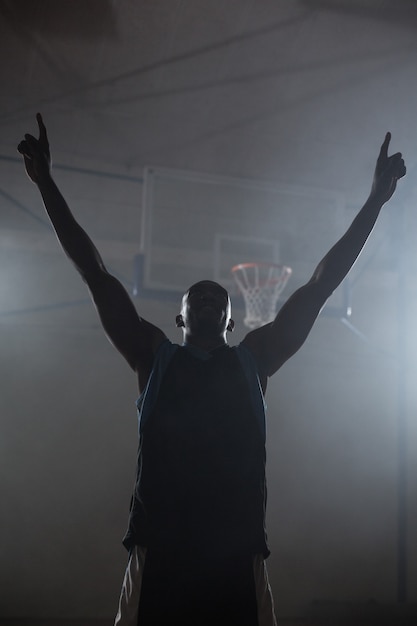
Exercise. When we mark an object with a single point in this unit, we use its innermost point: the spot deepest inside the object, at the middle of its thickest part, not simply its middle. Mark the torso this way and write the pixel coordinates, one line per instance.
(202, 456)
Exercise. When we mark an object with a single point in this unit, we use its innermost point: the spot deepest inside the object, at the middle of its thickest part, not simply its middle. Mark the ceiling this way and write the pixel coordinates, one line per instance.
(291, 92)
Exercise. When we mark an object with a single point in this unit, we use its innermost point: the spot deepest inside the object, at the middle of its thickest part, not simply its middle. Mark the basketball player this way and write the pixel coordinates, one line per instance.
(196, 536)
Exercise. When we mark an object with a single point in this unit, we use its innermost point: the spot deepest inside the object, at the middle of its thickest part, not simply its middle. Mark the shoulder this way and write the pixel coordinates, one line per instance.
(161, 355)
(257, 343)
(251, 363)
(165, 351)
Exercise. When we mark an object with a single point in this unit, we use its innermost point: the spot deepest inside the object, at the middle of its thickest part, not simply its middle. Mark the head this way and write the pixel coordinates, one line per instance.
(205, 310)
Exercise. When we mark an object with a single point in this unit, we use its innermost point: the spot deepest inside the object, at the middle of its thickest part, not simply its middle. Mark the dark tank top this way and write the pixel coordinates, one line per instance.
(201, 464)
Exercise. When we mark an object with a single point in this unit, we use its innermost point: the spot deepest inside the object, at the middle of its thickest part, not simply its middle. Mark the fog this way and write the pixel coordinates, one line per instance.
(290, 97)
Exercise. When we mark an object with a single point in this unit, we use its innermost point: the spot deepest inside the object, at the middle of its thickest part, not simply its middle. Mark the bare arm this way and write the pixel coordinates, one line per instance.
(135, 338)
(276, 342)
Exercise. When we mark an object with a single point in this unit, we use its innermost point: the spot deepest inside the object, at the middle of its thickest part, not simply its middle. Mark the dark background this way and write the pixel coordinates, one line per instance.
(296, 93)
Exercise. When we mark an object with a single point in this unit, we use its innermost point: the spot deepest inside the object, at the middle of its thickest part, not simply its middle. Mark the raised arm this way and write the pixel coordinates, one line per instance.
(135, 338)
(276, 342)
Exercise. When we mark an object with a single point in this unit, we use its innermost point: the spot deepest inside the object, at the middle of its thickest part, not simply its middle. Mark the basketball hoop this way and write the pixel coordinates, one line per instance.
(261, 285)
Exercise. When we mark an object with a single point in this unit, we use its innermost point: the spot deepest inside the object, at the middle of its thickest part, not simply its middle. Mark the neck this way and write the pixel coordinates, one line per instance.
(205, 343)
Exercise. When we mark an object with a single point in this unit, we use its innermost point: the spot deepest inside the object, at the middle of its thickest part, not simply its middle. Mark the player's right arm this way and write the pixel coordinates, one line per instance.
(135, 338)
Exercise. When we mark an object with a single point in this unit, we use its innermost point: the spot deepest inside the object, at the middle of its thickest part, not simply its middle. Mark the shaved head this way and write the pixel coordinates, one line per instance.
(206, 310)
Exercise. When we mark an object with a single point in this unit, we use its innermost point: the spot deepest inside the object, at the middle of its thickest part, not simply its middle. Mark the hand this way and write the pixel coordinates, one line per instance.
(387, 171)
(36, 153)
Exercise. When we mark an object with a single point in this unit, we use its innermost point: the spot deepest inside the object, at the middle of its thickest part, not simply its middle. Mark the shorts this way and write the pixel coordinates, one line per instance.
(128, 611)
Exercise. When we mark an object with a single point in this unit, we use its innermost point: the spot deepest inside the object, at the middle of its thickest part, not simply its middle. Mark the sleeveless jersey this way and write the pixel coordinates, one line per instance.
(201, 462)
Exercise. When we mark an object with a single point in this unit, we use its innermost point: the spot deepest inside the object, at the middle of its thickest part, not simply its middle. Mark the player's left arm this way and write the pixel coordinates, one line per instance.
(277, 341)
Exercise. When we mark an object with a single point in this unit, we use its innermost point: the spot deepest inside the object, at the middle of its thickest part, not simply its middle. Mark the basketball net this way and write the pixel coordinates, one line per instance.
(261, 285)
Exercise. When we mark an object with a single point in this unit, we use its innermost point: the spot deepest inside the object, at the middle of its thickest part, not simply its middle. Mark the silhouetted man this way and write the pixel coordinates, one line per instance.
(196, 535)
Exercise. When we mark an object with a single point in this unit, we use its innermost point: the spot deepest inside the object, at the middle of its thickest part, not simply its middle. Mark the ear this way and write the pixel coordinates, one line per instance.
(230, 326)
(179, 321)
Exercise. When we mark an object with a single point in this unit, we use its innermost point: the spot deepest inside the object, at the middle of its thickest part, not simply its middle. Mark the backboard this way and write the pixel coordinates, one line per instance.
(197, 226)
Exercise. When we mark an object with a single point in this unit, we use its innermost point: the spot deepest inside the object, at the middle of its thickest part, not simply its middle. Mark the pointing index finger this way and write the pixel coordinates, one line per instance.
(43, 138)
